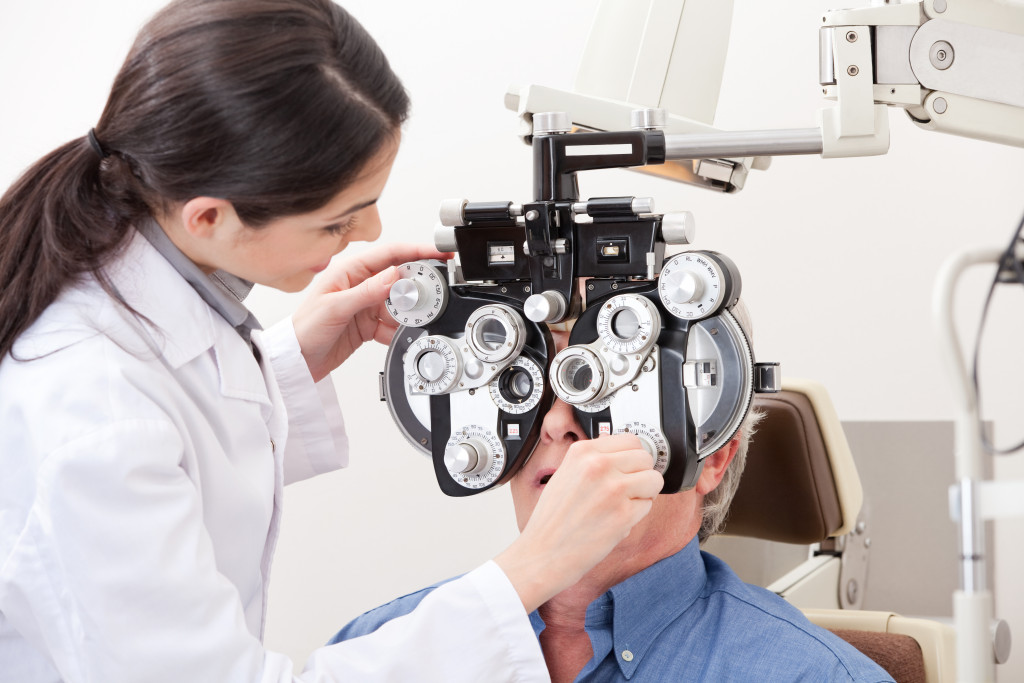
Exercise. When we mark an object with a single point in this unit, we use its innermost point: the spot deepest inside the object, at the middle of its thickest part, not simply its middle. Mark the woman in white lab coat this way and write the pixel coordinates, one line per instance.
(148, 424)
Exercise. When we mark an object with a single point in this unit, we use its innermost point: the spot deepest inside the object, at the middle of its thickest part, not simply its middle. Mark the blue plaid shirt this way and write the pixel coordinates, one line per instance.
(690, 618)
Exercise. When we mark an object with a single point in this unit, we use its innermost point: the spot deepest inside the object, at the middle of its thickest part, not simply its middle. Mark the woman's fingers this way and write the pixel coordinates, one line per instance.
(356, 268)
(600, 491)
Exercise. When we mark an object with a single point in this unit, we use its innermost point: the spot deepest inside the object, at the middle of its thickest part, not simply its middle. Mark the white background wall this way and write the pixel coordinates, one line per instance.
(838, 256)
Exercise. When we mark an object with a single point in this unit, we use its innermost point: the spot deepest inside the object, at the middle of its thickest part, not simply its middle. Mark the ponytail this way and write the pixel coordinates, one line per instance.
(57, 224)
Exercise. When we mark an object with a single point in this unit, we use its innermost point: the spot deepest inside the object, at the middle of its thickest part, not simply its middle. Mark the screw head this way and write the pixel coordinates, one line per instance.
(853, 70)
(941, 55)
(851, 36)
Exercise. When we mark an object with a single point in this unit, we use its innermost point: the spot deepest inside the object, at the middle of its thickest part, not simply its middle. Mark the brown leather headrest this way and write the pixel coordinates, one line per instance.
(899, 655)
(787, 492)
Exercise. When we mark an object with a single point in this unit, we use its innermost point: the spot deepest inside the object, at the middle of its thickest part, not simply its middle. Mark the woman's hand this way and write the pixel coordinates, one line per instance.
(600, 491)
(345, 306)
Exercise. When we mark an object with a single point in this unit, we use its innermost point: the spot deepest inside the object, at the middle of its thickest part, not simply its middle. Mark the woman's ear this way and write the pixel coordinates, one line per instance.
(715, 466)
(202, 217)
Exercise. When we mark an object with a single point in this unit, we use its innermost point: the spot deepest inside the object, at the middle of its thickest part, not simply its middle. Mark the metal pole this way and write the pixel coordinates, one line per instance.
(755, 143)
(972, 604)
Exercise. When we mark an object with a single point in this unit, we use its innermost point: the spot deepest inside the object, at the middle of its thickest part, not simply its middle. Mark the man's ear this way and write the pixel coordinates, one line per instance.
(715, 466)
(203, 216)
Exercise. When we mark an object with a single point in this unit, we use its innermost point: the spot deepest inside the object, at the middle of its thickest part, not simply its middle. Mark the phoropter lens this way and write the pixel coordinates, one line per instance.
(490, 334)
(625, 324)
(577, 375)
(516, 385)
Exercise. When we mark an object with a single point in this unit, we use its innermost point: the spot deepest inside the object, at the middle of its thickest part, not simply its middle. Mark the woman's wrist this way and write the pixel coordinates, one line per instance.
(535, 576)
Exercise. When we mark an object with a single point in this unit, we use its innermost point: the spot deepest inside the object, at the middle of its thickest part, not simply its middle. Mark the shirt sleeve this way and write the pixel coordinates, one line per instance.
(114, 577)
(317, 441)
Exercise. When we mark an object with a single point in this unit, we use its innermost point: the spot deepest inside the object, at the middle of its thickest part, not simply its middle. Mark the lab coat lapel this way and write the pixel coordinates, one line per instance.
(186, 325)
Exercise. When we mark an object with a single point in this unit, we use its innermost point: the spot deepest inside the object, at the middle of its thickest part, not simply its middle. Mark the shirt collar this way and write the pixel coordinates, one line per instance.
(629, 617)
(647, 602)
(221, 291)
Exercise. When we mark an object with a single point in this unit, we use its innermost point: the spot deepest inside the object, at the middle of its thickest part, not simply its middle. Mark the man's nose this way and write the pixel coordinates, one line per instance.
(560, 424)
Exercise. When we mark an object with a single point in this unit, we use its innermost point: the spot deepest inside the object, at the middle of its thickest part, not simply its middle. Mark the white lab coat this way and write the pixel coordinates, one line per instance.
(141, 474)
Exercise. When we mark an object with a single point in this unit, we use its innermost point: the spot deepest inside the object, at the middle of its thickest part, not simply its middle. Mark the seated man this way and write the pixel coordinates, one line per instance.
(658, 608)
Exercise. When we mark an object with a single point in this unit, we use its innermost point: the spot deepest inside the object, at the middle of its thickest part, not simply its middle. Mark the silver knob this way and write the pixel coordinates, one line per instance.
(643, 205)
(451, 212)
(647, 119)
(618, 364)
(474, 369)
(546, 307)
(405, 295)
(551, 122)
(467, 457)
(444, 238)
(431, 366)
(683, 287)
(678, 228)
(649, 447)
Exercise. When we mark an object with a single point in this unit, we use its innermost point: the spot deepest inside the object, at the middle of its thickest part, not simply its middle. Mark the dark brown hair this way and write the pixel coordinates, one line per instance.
(274, 105)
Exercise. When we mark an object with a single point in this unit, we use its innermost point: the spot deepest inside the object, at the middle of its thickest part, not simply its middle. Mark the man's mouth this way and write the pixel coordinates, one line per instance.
(544, 476)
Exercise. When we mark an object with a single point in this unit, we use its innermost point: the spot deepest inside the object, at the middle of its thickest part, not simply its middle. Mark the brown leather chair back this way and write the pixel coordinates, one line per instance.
(800, 484)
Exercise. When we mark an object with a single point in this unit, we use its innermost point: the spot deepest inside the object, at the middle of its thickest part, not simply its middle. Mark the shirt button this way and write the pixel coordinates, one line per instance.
(627, 655)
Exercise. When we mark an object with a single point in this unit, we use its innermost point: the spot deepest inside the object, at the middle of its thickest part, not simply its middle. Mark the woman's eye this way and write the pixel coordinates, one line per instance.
(339, 228)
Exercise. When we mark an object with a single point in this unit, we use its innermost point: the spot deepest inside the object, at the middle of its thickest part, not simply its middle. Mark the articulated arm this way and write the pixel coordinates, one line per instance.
(955, 66)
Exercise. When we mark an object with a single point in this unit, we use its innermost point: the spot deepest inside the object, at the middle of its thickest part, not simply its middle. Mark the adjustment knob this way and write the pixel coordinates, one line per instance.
(682, 287)
(649, 446)
(467, 457)
(451, 212)
(546, 307)
(444, 238)
(628, 324)
(431, 366)
(618, 364)
(406, 295)
(551, 123)
(652, 440)
(695, 284)
(419, 296)
(678, 228)
(647, 119)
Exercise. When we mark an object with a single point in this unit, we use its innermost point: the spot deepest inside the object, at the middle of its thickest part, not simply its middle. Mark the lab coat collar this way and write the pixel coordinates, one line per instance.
(185, 325)
(222, 291)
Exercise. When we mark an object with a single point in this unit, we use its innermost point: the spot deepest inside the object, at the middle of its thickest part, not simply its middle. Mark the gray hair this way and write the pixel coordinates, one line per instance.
(717, 502)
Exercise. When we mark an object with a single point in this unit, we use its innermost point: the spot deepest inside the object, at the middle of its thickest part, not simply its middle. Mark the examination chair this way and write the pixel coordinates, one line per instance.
(801, 487)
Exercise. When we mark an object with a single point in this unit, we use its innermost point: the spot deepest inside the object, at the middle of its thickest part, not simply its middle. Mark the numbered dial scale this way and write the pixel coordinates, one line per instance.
(419, 296)
(695, 284)
(474, 457)
(653, 441)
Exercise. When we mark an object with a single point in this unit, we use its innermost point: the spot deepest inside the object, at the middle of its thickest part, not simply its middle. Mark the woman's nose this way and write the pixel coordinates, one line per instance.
(368, 229)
